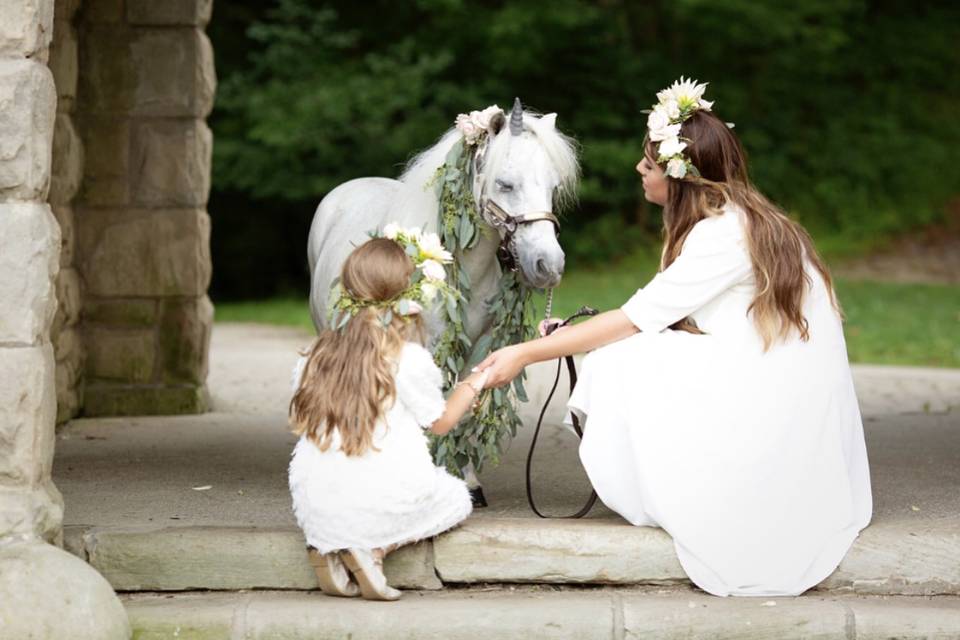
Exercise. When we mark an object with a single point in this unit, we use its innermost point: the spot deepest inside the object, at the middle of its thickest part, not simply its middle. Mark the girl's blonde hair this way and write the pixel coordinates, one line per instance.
(778, 245)
(347, 382)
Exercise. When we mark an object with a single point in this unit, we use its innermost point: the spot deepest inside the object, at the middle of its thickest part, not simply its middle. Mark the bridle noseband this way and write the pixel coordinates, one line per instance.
(507, 225)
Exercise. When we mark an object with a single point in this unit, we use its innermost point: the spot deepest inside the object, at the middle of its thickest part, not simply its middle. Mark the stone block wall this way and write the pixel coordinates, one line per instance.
(146, 84)
(67, 175)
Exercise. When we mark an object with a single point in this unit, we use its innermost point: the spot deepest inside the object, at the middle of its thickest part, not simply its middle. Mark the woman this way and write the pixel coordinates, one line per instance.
(718, 401)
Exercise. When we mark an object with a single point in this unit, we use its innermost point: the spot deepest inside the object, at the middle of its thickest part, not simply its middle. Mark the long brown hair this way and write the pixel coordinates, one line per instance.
(347, 381)
(778, 245)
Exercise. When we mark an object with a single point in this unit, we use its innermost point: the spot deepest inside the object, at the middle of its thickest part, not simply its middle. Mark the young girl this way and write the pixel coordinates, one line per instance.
(718, 400)
(361, 477)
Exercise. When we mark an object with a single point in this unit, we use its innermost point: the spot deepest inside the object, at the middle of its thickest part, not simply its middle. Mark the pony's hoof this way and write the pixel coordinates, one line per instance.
(477, 498)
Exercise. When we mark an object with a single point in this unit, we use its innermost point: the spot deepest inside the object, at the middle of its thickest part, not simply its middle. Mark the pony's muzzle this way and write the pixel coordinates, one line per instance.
(547, 271)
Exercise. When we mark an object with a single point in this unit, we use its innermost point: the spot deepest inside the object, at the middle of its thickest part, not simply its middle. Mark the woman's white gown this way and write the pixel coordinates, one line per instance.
(753, 462)
(392, 495)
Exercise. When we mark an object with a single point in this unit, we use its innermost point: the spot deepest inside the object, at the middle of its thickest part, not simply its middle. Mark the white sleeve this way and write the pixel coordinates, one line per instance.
(714, 258)
(419, 385)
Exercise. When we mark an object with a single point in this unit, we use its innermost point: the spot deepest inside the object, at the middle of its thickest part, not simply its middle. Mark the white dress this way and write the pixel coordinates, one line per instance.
(393, 495)
(753, 462)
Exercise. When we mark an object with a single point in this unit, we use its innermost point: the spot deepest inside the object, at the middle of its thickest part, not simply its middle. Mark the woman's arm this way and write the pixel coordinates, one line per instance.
(504, 365)
(459, 402)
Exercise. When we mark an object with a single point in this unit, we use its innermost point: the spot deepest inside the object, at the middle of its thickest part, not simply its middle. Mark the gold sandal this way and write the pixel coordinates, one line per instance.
(368, 572)
(332, 576)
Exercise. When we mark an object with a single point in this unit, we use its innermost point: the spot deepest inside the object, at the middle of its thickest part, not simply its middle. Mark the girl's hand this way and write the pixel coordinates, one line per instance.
(478, 380)
(503, 365)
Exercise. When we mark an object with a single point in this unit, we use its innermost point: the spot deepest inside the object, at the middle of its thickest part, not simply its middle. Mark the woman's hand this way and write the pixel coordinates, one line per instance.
(503, 365)
(542, 327)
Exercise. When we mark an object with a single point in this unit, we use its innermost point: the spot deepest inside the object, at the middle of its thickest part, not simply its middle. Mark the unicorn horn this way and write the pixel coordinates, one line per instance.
(516, 118)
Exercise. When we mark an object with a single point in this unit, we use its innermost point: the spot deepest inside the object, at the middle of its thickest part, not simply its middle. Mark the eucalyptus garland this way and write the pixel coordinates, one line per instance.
(478, 437)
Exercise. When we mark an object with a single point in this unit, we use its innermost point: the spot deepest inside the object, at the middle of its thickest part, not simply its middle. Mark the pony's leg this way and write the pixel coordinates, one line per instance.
(473, 484)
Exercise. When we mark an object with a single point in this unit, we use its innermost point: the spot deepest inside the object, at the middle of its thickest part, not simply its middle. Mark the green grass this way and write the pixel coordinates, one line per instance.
(886, 323)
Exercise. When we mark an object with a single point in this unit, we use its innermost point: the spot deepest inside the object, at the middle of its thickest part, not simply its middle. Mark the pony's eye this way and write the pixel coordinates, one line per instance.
(504, 186)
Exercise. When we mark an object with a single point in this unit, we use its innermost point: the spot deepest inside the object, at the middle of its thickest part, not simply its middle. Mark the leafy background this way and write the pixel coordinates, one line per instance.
(848, 109)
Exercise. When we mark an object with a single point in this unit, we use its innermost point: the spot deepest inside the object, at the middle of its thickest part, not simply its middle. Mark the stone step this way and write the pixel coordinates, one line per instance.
(539, 612)
(883, 561)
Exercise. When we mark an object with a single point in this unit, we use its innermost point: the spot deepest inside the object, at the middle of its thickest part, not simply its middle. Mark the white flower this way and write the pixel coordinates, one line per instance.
(670, 131)
(687, 93)
(433, 270)
(431, 247)
(429, 291)
(705, 104)
(658, 119)
(677, 168)
(391, 230)
(471, 132)
(482, 118)
(671, 147)
(672, 109)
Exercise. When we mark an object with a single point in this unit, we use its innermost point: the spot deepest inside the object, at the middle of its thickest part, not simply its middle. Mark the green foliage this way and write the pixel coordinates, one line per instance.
(478, 438)
(846, 107)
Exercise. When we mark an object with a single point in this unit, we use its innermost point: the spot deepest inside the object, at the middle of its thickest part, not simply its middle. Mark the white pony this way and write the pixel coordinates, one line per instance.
(527, 168)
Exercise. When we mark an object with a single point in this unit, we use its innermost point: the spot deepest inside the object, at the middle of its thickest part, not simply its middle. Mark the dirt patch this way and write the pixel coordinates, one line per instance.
(931, 255)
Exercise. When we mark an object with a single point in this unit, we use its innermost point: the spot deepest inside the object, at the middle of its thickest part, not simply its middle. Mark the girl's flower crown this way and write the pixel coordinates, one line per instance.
(427, 281)
(675, 105)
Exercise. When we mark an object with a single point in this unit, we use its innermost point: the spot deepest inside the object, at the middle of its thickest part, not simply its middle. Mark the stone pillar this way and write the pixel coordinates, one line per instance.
(143, 234)
(44, 591)
(64, 185)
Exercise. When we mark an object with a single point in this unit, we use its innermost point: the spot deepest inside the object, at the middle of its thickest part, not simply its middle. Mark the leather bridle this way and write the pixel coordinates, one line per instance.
(503, 221)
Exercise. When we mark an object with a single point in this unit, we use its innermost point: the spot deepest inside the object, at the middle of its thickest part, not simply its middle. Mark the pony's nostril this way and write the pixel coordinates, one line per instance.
(541, 266)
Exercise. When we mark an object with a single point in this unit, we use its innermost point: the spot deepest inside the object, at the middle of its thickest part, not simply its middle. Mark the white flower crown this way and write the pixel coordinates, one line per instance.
(428, 280)
(675, 105)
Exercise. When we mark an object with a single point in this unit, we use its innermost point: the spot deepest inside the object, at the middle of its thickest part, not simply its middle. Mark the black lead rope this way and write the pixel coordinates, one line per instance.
(572, 370)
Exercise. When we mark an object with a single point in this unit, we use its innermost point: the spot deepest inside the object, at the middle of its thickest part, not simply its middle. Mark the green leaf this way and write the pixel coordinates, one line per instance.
(481, 349)
(520, 391)
(466, 231)
(454, 154)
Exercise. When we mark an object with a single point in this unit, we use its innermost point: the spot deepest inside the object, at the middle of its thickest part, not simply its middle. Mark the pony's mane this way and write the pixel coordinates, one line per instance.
(561, 149)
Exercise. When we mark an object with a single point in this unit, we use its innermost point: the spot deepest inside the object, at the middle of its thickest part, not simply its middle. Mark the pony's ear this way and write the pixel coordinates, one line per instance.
(550, 119)
(497, 122)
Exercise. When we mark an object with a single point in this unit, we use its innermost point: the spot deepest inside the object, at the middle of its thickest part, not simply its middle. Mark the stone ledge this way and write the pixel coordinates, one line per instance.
(502, 550)
(538, 613)
(183, 558)
(576, 551)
